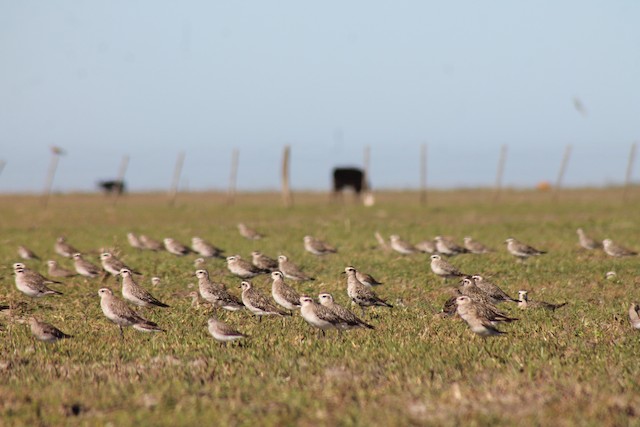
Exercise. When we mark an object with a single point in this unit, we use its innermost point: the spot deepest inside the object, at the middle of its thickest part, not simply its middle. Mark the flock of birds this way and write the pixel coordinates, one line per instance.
(475, 299)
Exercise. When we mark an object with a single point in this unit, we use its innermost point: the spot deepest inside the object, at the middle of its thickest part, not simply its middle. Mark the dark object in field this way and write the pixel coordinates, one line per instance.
(349, 178)
(112, 187)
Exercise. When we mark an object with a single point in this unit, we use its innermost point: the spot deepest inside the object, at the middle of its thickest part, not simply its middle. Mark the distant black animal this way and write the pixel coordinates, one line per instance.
(112, 187)
(348, 178)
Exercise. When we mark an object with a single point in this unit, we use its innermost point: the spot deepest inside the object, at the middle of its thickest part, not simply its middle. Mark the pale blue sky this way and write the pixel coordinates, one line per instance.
(152, 78)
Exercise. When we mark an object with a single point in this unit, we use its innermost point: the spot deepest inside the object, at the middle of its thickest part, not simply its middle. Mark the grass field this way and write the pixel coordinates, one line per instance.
(577, 365)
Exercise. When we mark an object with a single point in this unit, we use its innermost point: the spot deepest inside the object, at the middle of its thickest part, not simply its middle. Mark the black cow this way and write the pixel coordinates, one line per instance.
(349, 178)
(112, 187)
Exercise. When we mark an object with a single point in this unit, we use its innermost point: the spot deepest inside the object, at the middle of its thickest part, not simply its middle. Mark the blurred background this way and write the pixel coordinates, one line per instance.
(153, 79)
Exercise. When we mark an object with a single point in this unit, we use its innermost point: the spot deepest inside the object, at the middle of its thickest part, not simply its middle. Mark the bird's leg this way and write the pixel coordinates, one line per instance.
(121, 332)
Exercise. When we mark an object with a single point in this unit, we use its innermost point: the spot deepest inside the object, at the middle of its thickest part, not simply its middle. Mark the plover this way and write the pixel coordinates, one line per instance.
(222, 332)
(217, 293)
(478, 323)
(176, 248)
(32, 274)
(367, 279)
(615, 250)
(402, 246)
(524, 303)
(492, 290)
(474, 246)
(155, 281)
(348, 319)
(121, 314)
(446, 246)
(449, 308)
(382, 243)
(284, 294)
(243, 268)
(483, 303)
(318, 315)
(258, 303)
(426, 246)
(54, 270)
(205, 249)
(360, 293)
(26, 253)
(587, 242)
(263, 262)
(249, 233)
(31, 285)
(443, 268)
(46, 332)
(633, 316)
(113, 265)
(62, 248)
(84, 267)
(134, 241)
(291, 270)
(199, 263)
(135, 293)
(317, 247)
(521, 250)
(150, 243)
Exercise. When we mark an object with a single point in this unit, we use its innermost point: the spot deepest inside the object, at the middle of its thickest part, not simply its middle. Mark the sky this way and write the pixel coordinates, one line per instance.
(150, 79)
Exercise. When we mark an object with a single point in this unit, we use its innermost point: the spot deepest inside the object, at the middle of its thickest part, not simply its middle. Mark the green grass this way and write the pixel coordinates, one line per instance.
(575, 366)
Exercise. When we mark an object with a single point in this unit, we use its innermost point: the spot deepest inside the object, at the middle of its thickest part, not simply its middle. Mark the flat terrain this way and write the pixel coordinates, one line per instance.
(577, 365)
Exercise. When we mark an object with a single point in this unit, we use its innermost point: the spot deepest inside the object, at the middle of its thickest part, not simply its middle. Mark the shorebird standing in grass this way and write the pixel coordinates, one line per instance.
(205, 248)
(222, 332)
(477, 323)
(263, 262)
(84, 267)
(217, 293)
(318, 315)
(291, 270)
(54, 270)
(525, 303)
(587, 242)
(248, 232)
(46, 332)
(615, 250)
(150, 244)
(401, 246)
(243, 268)
(134, 241)
(348, 320)
(258, 303)
(492, 290)
(443, 268)
(318, 247)
(135, 293)
(446, 246)
(113, 265)
(475, 247)
(32, 285)
(284, 294)
(62, 248)
(361, 294)
(174, 247)
(26, 253)
(521, 250)
(121, 314)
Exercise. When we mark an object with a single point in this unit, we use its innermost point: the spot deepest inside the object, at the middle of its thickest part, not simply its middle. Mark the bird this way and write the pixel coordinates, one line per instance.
(243, 268)
(318, 315)
(32, 285)
(258, 303)
(222, 332)
(401, 246)
(478, 323)
(46, 332)
(134, 241)
(633, 316)
(54, 270)
(150, 243)
(135, 293)
(249, 233)
(155, 281)
(174, 247)
(121, 314)
(84, 267)
(199, 263)
(587, 242)
(33, 274)
(348, 319)
(284, 294)
(482, 302)
(426, 246)
(448, 247)
(291, 270)
(443, 268)
(524, 303)
(205, 249)
(62, 248)
(367, 279)
(521, 250)
(26, 253)
(361, 294)
(318, 247)
(382, 243)
(474, 246)
(113, 265)
(615, 250)
(217, 293)
(491, 289)
(263, 262)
